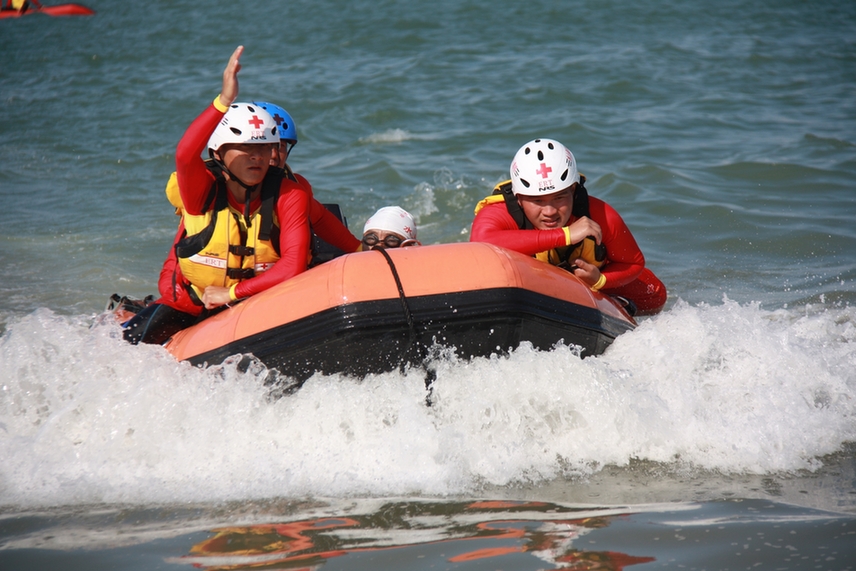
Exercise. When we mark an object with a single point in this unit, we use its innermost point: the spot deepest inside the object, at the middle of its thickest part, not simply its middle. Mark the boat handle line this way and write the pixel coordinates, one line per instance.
(401, 295)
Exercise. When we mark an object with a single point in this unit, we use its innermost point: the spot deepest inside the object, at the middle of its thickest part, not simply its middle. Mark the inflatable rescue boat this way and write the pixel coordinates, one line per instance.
(376, 311)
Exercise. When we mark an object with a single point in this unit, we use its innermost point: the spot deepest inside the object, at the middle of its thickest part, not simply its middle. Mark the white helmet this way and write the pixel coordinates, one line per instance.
(244, 123)
(543, 166)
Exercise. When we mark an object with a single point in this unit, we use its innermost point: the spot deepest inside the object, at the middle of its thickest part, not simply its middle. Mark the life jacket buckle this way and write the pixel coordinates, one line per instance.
(240, 250)
(240, 273)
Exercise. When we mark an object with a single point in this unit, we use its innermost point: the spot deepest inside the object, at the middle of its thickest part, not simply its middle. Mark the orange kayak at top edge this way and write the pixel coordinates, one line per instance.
(70, 9)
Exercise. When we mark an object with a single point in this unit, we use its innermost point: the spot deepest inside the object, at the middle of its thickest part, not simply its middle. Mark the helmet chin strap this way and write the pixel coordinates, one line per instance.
(247, 188)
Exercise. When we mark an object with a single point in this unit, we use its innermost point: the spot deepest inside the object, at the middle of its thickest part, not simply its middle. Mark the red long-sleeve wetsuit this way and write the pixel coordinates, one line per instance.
(625, 271)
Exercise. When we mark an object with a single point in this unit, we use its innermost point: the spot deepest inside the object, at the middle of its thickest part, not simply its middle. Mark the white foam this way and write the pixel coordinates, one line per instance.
(85, 417)
(388, 136)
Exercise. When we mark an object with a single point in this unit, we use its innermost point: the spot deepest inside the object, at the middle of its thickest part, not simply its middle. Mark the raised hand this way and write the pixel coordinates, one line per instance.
(230, 78)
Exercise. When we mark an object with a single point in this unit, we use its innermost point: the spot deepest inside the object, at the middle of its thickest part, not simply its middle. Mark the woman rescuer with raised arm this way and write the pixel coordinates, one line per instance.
(247, 226)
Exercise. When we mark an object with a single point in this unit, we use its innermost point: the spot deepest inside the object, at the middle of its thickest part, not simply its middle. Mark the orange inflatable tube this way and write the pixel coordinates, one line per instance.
(375, 311)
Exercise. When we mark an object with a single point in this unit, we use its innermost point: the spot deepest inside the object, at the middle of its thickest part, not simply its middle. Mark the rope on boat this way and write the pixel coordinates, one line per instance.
(430, 373)
(401, 295)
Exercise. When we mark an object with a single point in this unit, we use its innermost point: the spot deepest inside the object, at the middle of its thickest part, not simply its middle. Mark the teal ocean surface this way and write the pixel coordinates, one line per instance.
(720, 434)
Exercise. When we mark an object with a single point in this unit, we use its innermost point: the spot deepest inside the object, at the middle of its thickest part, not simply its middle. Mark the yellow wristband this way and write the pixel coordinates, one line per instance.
(567, 235)
(219, 106)
(232, 295)
(600, 283)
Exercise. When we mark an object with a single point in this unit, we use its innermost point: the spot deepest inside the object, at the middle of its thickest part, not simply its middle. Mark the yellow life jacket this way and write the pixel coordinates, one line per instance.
(174, 195)
(221, 246)
(588, 249)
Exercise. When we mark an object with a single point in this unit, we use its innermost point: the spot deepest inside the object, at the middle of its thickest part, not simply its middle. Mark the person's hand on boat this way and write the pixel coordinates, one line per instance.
(230, 78)
(215, 296)
(588, 273)
(583, 228)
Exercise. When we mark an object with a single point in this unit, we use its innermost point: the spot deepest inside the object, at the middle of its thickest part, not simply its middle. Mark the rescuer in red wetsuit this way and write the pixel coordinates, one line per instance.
(323, 222)
(545, 211)
(244, 228)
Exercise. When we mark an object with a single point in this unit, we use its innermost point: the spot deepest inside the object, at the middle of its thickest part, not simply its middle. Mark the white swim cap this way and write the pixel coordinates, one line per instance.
(392, 219)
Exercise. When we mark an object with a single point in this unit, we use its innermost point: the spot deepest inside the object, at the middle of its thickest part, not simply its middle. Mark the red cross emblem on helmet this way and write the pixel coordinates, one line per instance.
(544, 170)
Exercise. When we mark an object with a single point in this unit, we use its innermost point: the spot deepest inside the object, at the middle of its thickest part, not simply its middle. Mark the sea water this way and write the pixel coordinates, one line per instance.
(719, 434)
